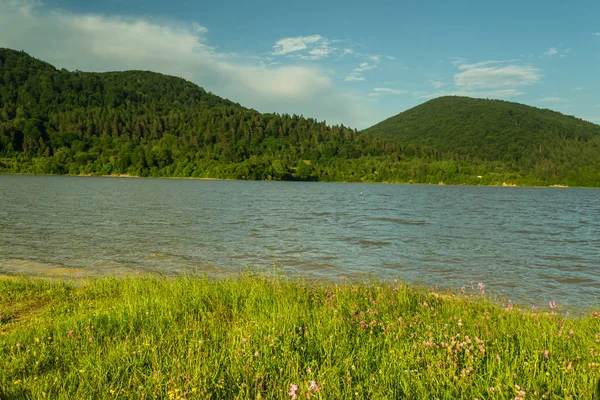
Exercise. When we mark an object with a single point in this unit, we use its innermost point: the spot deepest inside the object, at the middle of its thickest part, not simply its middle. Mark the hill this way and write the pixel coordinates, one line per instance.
(148, 124)
(143, 123)
(493, 130)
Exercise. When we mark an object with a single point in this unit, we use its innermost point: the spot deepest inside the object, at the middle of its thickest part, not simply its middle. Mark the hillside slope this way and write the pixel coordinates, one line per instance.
(148, 124)
(486, 129)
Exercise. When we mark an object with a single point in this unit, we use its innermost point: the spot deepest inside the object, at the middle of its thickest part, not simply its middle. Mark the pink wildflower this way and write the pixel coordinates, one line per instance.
(19, 345)
(552, 304)
(293, 390)
(70, 332)
(244, 340)
(546, 354)
(314, 386)
(90, 339)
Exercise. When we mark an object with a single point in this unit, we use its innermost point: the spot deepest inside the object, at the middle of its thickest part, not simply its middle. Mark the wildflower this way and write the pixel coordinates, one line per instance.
(90, 339)
(256, 354)
(293, 390)
(497, 356)
(546, 354)
(19, 345)
(552, 304)
(314, 386)
(244, 340)
(492, 389)
(308, 370)
(70, 332)
(463, 290)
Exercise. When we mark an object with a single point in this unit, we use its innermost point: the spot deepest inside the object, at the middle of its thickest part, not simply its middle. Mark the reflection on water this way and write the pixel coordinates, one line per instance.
(530, 244)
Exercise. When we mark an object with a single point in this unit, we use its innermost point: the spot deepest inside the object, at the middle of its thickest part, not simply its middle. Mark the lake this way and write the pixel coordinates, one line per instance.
(530, 245)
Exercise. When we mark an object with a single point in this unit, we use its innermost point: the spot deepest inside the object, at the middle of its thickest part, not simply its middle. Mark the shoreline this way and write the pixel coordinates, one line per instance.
(503, 184)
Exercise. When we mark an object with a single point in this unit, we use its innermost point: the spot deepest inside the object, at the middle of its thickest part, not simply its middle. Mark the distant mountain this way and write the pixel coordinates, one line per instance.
(485, 129)
(147, 124)
(530, 140)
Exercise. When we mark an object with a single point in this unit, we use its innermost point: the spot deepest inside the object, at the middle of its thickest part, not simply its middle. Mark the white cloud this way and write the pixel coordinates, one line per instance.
(460, 63)
(389, 90)
(436, 84)
(364, 67)
(356, 74)
(597, 106)
(596, 33)
(294, 44)
(565, 52)
(354, 77)
(491, 75)
(91, 42)
(553, 100)
(562, 52)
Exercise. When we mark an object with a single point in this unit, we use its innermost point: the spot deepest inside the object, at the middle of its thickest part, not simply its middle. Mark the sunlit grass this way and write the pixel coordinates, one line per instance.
(275, 337)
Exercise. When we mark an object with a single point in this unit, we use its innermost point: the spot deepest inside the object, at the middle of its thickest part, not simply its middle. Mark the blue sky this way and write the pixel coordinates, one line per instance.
(351, 62)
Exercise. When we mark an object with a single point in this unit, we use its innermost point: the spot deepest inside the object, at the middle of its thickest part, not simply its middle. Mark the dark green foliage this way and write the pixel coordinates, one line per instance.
(147, 124)
(544, 142)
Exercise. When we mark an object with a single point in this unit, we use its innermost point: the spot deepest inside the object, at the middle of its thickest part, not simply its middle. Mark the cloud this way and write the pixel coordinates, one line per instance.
(436, 84)
(596, 33)
(552, 51)
(92, 42)
(294, 44)
(389, 90)
(565, 52)
(354, 77)
(364, 67)
(356, 74)
(491, 75)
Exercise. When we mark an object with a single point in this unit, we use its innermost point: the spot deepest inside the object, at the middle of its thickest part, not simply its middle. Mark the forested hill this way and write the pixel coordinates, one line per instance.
(491, 130)
(147, 124)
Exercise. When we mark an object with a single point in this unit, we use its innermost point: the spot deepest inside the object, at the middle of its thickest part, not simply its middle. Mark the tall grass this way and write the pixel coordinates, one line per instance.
(272, 337)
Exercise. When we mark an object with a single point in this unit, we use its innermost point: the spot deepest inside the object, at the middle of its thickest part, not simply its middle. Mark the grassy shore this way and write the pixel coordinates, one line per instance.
(275, 337)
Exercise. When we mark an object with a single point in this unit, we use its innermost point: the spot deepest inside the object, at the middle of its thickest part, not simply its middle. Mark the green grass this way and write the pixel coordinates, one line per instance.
(254, 336)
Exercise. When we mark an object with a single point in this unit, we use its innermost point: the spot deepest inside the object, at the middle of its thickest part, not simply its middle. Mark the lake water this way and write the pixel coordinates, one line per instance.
(531, 245)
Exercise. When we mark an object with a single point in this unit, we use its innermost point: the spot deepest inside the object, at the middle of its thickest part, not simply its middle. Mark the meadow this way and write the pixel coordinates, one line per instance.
(272, 336)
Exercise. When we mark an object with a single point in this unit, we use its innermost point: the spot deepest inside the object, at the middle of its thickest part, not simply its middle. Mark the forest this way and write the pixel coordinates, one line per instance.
(141, 123)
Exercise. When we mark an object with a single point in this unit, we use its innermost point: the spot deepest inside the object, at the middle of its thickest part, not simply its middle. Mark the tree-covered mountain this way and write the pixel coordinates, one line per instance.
(148, 124)
(541, 141)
